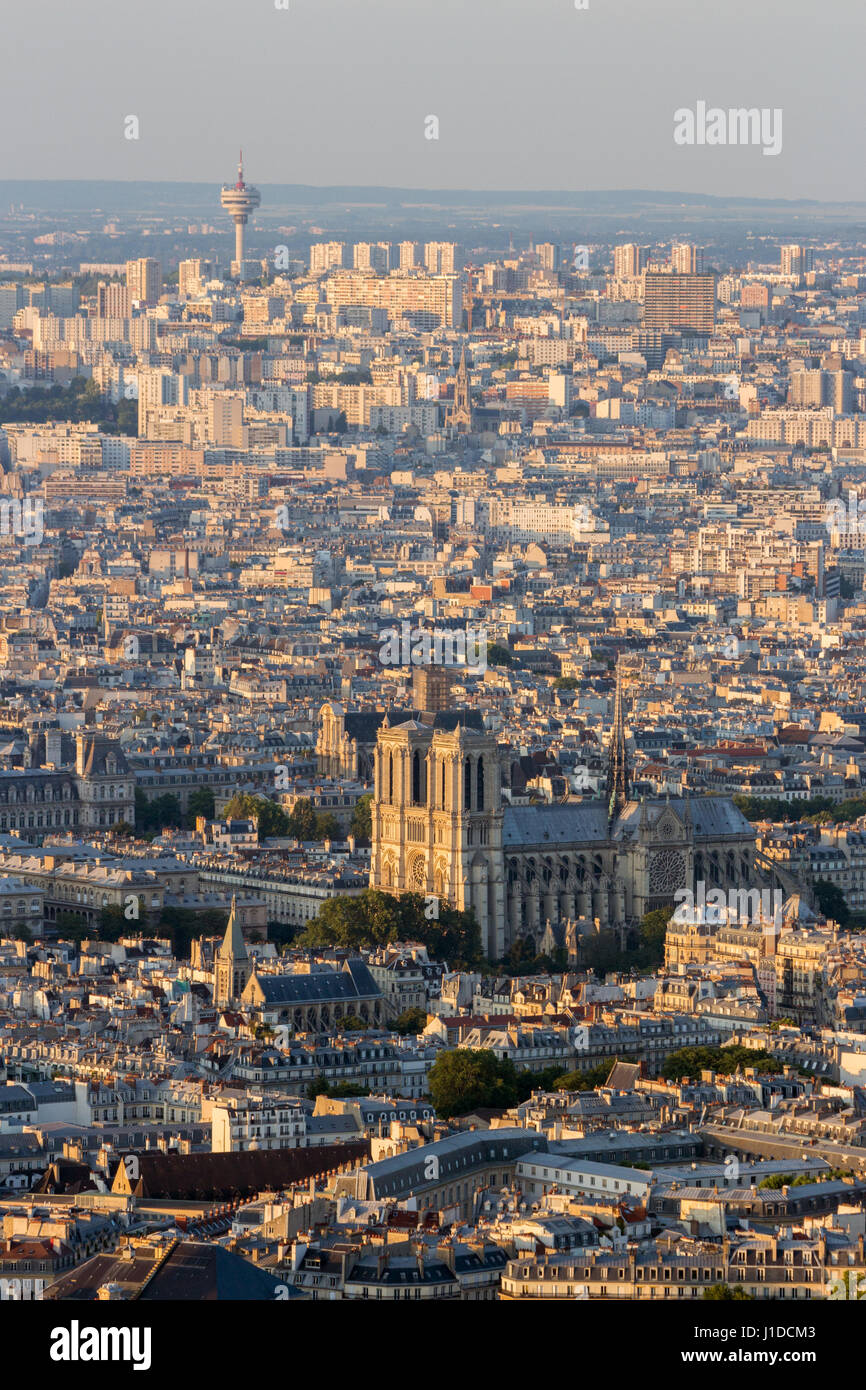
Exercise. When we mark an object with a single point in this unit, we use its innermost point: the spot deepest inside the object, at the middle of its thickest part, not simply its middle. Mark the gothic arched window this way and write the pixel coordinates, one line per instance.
(479, 785)
(416, 777)
(467, 785)
(391, 777)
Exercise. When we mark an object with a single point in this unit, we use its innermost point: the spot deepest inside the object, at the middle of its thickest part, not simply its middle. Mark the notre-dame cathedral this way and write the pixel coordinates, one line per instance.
(441, 827)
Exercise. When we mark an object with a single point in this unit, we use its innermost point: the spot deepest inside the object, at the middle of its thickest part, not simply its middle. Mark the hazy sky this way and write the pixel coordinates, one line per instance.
(528, 93)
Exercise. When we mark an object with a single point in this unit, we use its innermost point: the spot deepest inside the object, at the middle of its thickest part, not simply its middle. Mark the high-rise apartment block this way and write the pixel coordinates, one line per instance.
(144, 281)
(442, 257)
(327, 255)
(629, 260)
(687, 259)
(112, 301)
(372, 255)
(679, 302)
(409, 255)
(550, 255)
(192, 276)
(796, 260)
(428, 301)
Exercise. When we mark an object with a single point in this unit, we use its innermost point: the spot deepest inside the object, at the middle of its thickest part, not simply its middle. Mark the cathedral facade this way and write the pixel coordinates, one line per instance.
(441, 827)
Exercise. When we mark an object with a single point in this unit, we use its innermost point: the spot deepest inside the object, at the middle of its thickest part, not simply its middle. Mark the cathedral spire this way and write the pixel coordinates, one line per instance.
(233, 946)
(461, 410)
(618, 780)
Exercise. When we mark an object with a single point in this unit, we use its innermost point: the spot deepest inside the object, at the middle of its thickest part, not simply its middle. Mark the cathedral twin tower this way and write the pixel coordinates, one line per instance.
(437, 819)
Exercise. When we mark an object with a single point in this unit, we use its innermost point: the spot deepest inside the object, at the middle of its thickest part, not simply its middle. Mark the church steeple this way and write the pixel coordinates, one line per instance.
(461, 412)
(618, 779)
(232, 965)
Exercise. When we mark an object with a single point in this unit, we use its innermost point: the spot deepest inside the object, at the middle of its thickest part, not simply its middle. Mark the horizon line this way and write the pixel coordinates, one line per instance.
(636, 193)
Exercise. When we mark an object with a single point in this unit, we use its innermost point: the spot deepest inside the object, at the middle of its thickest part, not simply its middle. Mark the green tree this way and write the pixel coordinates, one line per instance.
(410, 1022)
(498, 656)
(327, 826)
(272, 819)
(373, 918)
(463, 1078)
(302, 820)
(362, 819)
(338, 1090)
(201, 803)
(183, 925)
(113, 923)
(583, 1080)
(691, 1061)
(652, 931)
(831, 900)
(157, 813)
(353, 1023)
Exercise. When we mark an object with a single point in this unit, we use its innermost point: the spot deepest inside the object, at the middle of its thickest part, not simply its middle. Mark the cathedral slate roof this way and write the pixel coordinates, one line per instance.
(467, 718)
(582, 822)
(365, 724)
(568, 822)
(713, 817)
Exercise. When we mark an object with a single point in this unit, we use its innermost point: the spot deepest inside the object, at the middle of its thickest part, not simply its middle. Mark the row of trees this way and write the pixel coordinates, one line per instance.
(691, 1061)
(602, 953)
(303, 822)
(818, 810)
(180, 924)
(464, 1079)
(377, 919)
(779, 1180)
(164, 812)
(80, 400)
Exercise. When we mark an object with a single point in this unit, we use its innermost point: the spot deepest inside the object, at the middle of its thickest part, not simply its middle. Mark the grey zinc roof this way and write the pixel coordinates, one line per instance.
(406, 1172)
(565, 823)
(353, 983)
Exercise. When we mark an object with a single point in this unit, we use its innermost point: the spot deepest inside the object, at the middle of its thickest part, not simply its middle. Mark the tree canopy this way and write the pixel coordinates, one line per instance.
(375, 919)
(463, 1079)
(691, 1061)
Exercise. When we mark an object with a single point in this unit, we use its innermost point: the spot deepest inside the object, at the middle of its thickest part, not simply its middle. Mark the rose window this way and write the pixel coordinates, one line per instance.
(667, 872)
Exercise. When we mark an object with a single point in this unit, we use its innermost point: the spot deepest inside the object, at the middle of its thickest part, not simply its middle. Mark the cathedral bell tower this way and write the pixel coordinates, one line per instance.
(437, 821)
